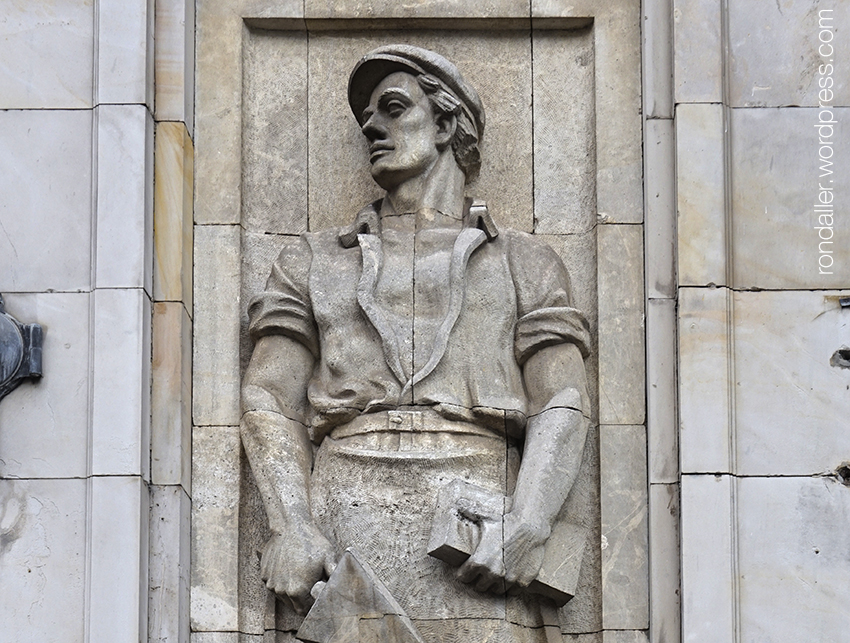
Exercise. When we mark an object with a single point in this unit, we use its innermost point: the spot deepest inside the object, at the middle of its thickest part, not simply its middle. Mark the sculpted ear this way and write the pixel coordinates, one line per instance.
(446, 126)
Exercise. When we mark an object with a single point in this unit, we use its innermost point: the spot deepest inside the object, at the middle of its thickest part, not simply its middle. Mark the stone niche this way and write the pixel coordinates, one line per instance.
(279, 153)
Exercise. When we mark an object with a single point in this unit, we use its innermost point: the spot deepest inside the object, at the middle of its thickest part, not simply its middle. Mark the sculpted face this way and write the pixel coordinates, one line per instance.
(402, 131)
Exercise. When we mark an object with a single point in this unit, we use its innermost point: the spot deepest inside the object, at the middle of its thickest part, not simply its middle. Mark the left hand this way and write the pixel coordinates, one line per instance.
(499, 565)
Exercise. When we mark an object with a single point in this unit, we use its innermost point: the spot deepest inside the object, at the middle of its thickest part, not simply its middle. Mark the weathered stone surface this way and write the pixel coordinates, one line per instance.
(660, 199)
(46, 425)
(124, 197)
(324, 9)
(664, 577)
(803, 565)
(125, 52)
(777, 181)
(658, 59)
(274, 132)
(43, 563)
(215, 366)
(564, 135)
(625, 564)
(701, 179)
(624, 636)
(168, 590)
(173, 184)
(224, 637)
(622, 396)
(697, 51)
(704, 327)
(215, 528)
(661, 393)
(174, 64)
(45, 179)
(708, 603)
(492, 62)
(121, 383)
(171, 396)
(773, 52)
(118, 576)
(47, 56)
(791, 404)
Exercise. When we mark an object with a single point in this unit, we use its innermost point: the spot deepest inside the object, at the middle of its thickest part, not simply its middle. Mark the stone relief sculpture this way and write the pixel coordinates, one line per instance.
(415, 408)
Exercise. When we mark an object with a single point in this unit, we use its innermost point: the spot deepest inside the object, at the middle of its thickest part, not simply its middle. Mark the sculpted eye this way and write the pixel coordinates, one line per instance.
(395, 108)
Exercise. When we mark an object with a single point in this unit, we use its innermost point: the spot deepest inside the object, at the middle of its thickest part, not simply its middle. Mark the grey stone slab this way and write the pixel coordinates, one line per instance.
(168, 593)
(594, 637)
(220, 637)
(124, 208)
(174, 64)
(624, 636)
(704, 385)
(658, 59)
(215, 365)
(697, 51)
(47, 56)
(708, 603)
(45, 200)
(274, 132)
(121, 383)
(774, 52)
(804, 565)
(46, 425)
(171, 396)
(661, 394)
(622, 395)
(660, 201)
(118, 573)
(664, 556)
(564, 133)
(700, 181)
(625, 564)
(125, 52)
(777, 179)
(496, 63)
(791, 404)
(215, 529)
(325, 9)
(43, 566)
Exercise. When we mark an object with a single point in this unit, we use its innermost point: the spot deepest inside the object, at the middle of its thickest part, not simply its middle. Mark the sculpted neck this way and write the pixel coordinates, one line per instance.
(440, 189)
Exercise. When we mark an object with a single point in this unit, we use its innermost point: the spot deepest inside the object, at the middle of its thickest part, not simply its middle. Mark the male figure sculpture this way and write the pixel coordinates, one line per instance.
(419, 347)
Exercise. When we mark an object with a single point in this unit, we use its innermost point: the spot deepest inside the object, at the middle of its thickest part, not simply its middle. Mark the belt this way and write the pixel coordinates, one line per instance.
(425, 421)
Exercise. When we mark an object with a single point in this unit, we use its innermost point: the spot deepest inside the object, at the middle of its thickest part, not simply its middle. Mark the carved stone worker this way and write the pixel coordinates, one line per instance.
(419, 346)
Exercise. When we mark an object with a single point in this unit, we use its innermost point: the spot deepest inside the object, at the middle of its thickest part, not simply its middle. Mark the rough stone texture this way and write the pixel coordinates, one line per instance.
(660, 199)
(704, 385)
(496, 63)
(785, 384)
(662, 425)
(124, 197)
(47, 56)
(118, 576)
(172, 232)
(697, 51)
(775, 177)
(42, 559)
(625, 563)
(45, 426)
(171, 396)
(45, 173)
(624, 636)
(223, 637)
(215, 367)
(322, 9)
(700, 184)
(274, 134)
(794, 589)
(564, 135)
(664, 578)
(121, 361)
(168, 592)
(622, 398)
(215, 528)
(773, 54)
(707, 582)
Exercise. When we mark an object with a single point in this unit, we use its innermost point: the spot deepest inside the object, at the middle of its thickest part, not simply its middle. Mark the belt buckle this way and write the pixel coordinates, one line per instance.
(406, 421)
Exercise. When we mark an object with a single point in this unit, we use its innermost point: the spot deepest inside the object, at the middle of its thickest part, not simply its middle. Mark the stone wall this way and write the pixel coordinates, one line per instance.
(94, 459)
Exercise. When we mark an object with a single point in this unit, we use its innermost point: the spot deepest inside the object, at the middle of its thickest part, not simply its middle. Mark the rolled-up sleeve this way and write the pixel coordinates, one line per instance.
(284, 307)
(544, 309)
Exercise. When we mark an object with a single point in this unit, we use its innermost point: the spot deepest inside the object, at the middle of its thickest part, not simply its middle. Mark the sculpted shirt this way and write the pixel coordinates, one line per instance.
(444, 318)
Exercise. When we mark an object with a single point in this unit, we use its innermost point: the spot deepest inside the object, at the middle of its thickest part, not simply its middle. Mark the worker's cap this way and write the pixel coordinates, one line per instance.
(383, 61)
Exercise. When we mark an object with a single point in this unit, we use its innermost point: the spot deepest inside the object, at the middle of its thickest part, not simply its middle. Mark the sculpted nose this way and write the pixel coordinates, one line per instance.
(371, 130)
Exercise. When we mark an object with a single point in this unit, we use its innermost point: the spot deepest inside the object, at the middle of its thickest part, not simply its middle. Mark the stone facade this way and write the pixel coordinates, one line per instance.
(668, 151)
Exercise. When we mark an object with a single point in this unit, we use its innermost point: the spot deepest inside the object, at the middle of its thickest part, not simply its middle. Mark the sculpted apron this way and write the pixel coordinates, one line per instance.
(375, 491)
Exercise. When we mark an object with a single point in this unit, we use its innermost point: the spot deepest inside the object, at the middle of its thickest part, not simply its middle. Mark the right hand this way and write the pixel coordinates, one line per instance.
(291, 564)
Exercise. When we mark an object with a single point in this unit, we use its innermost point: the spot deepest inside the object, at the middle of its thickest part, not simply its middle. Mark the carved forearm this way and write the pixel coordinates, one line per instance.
(280, 454)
